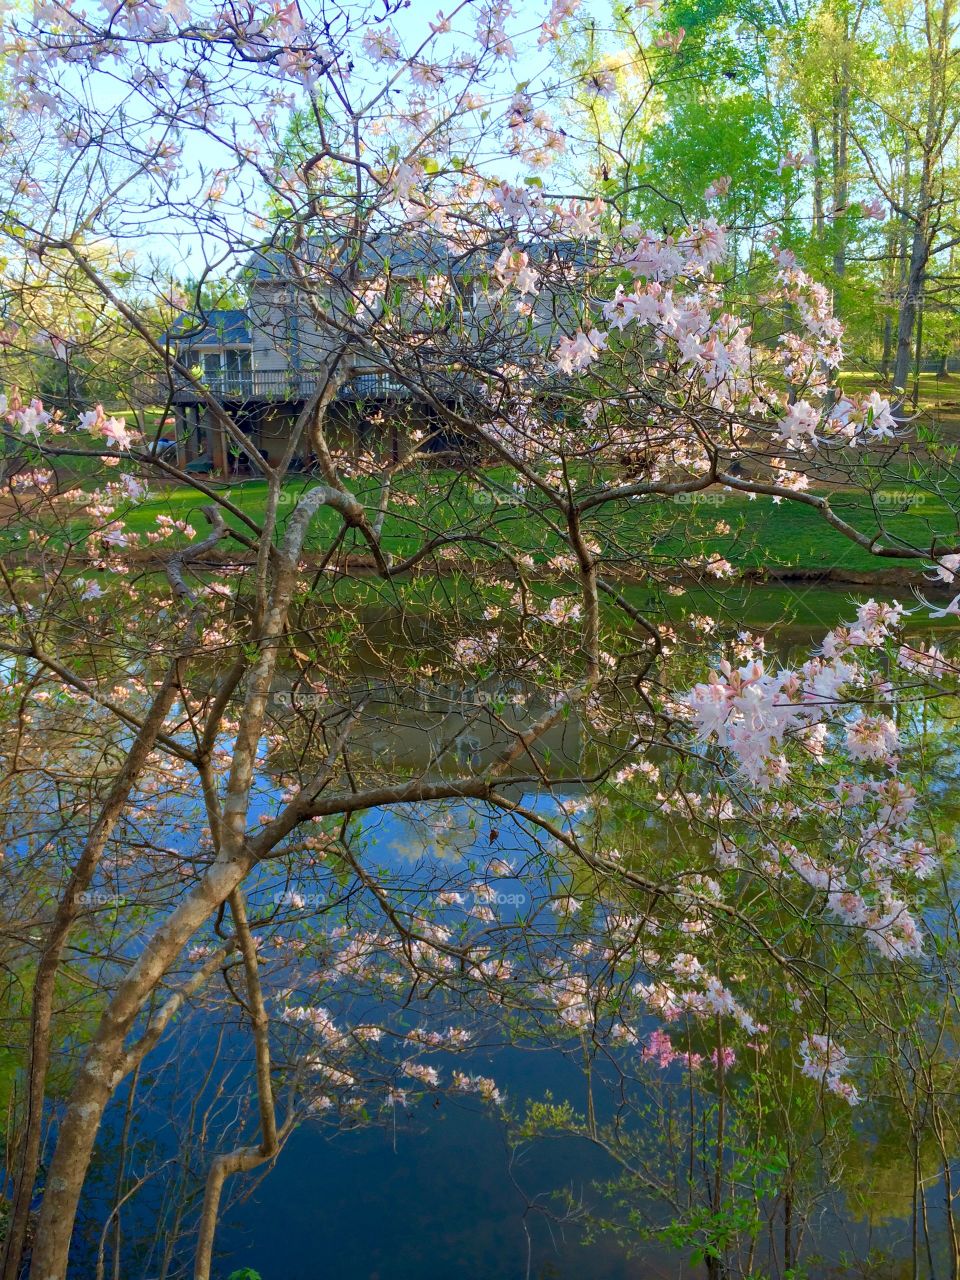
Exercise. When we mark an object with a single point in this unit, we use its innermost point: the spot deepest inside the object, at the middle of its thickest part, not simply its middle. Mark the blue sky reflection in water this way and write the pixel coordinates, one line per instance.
(433, 1192)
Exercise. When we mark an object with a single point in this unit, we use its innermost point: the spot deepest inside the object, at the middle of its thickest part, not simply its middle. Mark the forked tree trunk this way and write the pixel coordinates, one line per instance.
(243, 1159)
(44, 986)
(103, 1068)
(909, 308)
(106, 1064)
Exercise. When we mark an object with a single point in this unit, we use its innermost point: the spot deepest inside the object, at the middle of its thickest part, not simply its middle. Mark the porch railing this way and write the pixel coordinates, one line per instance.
(270, 386)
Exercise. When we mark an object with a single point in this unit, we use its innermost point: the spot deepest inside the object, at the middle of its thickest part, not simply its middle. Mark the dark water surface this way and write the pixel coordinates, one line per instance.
(435, 1193)
(439, 1195)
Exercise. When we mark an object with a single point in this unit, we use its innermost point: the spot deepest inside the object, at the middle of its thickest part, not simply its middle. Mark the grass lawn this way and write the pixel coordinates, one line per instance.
(791, 535)
(938, 402)
(761, 533)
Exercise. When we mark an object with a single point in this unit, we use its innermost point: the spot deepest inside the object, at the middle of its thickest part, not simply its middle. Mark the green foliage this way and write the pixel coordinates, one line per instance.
(545, 1117)
(301, 149)
(814, 113)
(212, 293)
(706, 137)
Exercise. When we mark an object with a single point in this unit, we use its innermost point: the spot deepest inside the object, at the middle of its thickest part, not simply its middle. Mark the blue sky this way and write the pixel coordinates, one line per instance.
(169, 241)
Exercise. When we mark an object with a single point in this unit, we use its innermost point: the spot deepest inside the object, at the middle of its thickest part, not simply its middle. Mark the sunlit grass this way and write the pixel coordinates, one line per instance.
(762, 534)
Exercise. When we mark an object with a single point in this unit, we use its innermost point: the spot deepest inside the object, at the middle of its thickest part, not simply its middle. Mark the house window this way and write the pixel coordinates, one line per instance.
(227, 371)
(237, 364)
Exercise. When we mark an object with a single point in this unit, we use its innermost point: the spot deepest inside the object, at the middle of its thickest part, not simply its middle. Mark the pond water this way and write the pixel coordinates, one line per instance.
(434, 1190)
(437, 1192)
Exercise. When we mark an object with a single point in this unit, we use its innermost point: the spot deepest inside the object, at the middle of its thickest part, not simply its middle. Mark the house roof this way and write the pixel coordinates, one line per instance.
(416, 255)
(226, 327)
(405, 256)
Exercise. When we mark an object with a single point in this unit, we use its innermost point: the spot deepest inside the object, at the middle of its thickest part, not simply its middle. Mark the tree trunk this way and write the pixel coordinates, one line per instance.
(105, 1065)
(46, 977)
(245, 1158)
(103, 1069)
(918, 354)
(909, 306)
(818, 214)
(934, 139)
(887, 346)
(841, 191)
